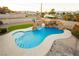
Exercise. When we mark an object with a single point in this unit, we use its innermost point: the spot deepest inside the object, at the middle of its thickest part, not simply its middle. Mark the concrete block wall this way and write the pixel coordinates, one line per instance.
(12, 16)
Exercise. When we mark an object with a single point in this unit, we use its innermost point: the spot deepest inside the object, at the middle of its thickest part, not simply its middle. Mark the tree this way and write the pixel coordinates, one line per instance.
(52, 11)
(68, 16)
(42, 14)
(4, 10)
(76, 16)
(63, 13)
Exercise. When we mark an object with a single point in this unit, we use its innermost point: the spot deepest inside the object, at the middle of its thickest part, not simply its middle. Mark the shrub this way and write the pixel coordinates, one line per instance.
(1, 22)
(76, 34)
(3, 31)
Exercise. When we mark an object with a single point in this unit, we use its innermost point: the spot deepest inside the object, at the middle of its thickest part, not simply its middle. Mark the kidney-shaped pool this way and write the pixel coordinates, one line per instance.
(33, 38)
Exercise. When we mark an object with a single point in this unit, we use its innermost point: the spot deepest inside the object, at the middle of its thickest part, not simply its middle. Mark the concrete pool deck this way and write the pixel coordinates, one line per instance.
(9, 47)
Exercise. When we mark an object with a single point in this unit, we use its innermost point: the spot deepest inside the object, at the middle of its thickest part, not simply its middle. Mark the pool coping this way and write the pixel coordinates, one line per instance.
(40, 50)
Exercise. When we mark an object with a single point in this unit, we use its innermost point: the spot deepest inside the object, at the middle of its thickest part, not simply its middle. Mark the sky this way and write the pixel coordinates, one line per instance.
(34, 5)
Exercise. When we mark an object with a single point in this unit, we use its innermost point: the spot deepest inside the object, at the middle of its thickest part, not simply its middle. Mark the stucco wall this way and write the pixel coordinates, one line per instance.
(12, 15)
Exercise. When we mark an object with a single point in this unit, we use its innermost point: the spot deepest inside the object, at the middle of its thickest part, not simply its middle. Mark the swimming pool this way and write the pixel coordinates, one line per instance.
(33, 38)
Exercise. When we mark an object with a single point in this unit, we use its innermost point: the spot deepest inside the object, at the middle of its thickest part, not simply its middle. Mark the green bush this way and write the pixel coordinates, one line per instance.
(76, 34)
(3, 31)
(1, 23)
(0, 29)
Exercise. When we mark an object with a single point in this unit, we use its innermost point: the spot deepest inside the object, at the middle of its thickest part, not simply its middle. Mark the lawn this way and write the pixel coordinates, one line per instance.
(21, 26)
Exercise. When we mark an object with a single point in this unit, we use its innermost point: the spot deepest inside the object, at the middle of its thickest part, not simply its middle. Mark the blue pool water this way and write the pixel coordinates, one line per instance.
(33, 38)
